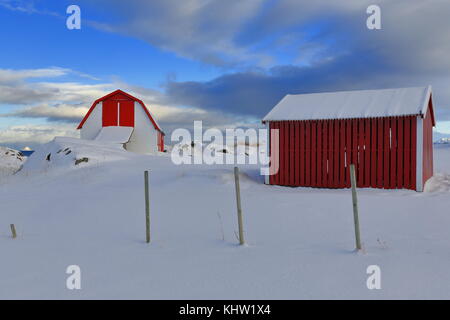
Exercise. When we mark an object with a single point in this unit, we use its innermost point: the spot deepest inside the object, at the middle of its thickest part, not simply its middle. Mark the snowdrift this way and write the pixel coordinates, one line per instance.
(10, 161)
(70, 153)
(213, 148)
(300, 240)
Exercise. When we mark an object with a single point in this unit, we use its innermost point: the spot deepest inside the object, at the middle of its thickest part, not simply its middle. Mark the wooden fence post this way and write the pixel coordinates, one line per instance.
(238, 203)
(147, 208)
(13, 231)
(355, 206)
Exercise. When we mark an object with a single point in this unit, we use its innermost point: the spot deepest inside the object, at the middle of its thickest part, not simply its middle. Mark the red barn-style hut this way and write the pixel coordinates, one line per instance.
(386, 133)
(122, 118)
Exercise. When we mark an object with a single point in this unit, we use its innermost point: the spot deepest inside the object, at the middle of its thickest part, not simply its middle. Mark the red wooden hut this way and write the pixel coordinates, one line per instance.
(387, 134)
(120, 117)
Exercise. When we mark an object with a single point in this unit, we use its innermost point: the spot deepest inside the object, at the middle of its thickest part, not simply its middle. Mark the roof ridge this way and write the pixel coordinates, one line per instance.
(369, 103)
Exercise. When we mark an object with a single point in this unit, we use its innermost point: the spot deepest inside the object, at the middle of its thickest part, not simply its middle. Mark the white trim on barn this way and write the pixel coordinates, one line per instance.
(426, 99)
(419, 158)
(267, 176)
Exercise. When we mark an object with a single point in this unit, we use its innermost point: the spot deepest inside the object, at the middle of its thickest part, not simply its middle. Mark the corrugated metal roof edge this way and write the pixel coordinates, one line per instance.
(422, 112)
(352, 118)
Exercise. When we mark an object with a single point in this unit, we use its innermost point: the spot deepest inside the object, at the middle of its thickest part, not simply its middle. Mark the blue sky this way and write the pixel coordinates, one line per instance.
(37, 40)
(224, 62)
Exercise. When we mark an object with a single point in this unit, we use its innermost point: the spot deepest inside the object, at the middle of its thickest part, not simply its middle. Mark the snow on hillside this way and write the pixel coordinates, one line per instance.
(10, 161)
(212, 148)
(300, 240)
(64, 153)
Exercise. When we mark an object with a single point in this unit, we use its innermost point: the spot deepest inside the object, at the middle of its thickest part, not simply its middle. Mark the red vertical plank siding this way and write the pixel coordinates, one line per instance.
(354, 161)
(400, 153)
(277, 143)
(407, 152)
(291, 153)
(273, 146)
(380, 153)
(285, 146)
(333, 154)
(110, 110)
(308, 154)
(366, 153)
(297, 153)
(319, 154)
(270, 144)
(348, 149)
(355, 143)
(314, 153)
(336, 139)
(413, 151)
(302, 153)
(386, 151)
(425, 156)
(342, 180)
(271, 154)
(336, 154)
(383, 150)
(286, 152)
(325, 155)
(282, 152)
(373, 155)
(393, 166)
(126, 113)
(330, 153)
(360, 141)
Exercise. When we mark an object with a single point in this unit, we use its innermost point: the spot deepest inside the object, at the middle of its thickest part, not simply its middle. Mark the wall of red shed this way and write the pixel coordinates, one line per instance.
(318, 153)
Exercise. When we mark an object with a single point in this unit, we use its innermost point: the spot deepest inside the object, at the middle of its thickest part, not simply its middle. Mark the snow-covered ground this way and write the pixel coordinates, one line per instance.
(300, 240)
(10, 161)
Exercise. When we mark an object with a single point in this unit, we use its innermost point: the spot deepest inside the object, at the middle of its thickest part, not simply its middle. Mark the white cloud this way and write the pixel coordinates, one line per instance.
(15, 87)
(196, 29)
(33, 134)
(60, 112)
(25, 6)
(415, 34)
(62, 104)
(11, 75)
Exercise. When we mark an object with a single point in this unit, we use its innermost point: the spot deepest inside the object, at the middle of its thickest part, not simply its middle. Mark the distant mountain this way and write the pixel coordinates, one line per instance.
(439, 137)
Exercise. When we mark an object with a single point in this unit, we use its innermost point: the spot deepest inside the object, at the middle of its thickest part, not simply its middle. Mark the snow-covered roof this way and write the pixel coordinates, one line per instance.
(352, 104)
